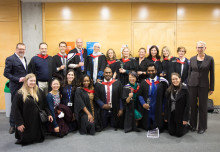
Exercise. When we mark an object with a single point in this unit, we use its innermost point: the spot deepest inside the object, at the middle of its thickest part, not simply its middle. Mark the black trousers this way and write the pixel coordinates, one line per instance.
(176, 128)
(11, 118)
(198, 94)
(86, 127)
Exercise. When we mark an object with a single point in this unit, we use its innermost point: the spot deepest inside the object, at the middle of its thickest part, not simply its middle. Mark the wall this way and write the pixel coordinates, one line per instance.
(10, 29)
(138, 25)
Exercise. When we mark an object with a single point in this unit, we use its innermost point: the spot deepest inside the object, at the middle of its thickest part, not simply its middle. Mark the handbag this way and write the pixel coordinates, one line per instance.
(42, 114)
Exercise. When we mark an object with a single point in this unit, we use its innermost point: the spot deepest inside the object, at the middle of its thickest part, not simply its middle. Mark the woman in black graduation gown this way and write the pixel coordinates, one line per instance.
(180, 64)
(67, 95)
(155, 58)
(96, 64)
(132, 114)
(141, 65)
(177, 107)
(165, 59)
(112, 62)
(27, 100)
(126, 65)
(84, 106)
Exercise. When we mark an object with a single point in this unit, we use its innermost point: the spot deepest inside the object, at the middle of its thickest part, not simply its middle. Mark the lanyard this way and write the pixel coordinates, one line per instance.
(69, 92)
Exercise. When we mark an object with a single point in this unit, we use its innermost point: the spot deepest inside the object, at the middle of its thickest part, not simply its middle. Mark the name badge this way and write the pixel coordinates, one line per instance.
(70, 104)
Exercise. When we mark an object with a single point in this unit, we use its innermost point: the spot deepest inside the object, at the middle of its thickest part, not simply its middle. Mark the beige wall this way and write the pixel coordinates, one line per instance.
(10, 35)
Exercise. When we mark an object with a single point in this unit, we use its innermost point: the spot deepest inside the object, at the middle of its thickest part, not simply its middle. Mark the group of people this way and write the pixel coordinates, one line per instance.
(88, 93)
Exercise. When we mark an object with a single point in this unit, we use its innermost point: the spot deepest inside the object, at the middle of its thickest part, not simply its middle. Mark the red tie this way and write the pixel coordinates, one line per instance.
(108, 92)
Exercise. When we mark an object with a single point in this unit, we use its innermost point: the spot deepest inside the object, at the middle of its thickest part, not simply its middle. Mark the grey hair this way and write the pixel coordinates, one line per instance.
(201, 42)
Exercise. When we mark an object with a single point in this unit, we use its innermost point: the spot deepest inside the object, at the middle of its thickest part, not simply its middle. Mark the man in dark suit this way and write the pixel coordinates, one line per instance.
(59, 62)
(15, 71)
(77, 59)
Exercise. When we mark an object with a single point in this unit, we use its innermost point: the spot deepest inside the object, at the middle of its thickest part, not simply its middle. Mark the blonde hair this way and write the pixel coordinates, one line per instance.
(25, 89)
(162, 56)
(128, 51)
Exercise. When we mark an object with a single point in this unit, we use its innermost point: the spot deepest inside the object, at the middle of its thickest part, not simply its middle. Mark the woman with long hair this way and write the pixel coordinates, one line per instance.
(28, 100)
(67, 95)
(177, 107)
(112, 62)
(165, 59)
(155, 58)
(84, 106)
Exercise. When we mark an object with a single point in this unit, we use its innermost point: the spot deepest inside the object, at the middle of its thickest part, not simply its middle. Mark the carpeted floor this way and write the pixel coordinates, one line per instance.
(115, 141)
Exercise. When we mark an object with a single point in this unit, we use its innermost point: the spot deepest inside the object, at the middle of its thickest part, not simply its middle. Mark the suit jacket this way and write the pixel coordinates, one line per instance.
(199, 77)
(14, 70)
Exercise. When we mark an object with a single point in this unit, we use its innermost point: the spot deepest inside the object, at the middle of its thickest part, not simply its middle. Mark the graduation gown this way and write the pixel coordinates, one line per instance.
(27, 114)
(156, 107)
(82, 100)
(114, 65)
(101, 99)
(75, 59)
(166, 67)
(57, 62)
(176, 67)
(130, 122)
(101, 66)
(141, 67)
(128, 66)
(181, 112)
(159, 67)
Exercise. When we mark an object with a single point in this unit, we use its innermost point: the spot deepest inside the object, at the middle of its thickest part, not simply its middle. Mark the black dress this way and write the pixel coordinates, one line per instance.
(165, 67)
(27, 114)
(82, 100)
(128, 65)
(177, 111)
(141, 67)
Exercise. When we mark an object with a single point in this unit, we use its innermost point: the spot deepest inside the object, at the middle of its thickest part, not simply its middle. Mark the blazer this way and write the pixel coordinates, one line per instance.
(14, 70)
(199, 77)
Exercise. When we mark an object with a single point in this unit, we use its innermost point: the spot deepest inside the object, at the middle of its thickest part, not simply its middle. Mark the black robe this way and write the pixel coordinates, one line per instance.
(56, 64)
(101, 66)
(141, 67)
(159, 67)
(144, 92)
(166, 67)
(27, 114)
(114, 66)
(130, 122)
(100, 95)
(176, 67)
(82, 100)
(128, 66)
(76, 60)
(181, 106)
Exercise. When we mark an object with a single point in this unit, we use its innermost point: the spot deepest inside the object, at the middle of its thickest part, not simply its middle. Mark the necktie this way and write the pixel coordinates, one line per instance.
(81, 59)
(108, 93)
(152, 87)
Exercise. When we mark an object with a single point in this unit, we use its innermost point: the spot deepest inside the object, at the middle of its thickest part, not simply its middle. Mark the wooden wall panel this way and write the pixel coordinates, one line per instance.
(189, 32)
(196, 12)
(9, 10)
(153, 33)
(153, 12)
(110, 34)
(9, 39)
(88, 11)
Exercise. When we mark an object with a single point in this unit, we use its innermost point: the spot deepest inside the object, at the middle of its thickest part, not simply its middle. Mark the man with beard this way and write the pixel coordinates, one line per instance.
(151, 96)
(59, 62)
(15, 71)
(108, 96)
(42, 66)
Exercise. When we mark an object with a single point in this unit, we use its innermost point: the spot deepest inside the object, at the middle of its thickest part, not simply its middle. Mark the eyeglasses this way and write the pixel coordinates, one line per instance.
(200, 47)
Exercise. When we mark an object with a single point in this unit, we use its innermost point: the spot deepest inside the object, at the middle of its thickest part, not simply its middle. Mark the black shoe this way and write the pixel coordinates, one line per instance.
(201, 131)
(192, 129)
(11, 130)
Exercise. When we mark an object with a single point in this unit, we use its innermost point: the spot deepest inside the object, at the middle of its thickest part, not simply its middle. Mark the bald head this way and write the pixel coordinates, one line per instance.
(79, 43)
